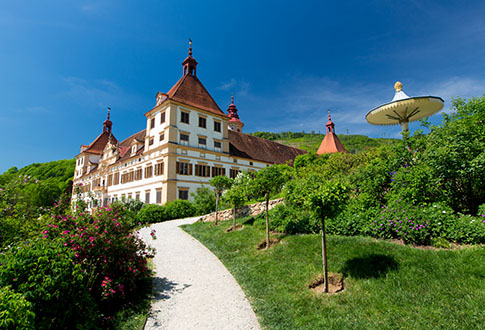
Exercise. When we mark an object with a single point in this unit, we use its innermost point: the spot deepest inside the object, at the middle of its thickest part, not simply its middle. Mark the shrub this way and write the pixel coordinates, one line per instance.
(289, 220)
(109, 252)
(47, 276)
(467, 229)
(151, 213)
(354, 219)
(15, 311)
(179, 209)
(128, 210)
(205, 201)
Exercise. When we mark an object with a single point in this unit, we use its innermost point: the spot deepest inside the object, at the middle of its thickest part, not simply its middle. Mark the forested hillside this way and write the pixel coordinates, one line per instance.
(34, 186)
(311, 141)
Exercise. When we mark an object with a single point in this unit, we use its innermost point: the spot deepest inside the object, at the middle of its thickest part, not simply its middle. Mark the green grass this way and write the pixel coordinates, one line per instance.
(388, 286)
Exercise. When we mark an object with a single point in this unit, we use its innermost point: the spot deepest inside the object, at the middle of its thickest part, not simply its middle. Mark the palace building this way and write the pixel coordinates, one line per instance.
(188, 140)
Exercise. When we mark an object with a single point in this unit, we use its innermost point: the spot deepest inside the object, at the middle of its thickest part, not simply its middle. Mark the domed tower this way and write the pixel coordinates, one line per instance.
(235, 124)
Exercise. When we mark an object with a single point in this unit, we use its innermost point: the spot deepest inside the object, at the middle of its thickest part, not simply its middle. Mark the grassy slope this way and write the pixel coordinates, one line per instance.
(389, 286)
(353, 143)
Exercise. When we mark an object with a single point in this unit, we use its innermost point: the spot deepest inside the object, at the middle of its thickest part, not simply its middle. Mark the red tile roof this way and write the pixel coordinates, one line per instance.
(330, 144)
(189, 90)
(125, 145)
(248, 146)
(97, 146)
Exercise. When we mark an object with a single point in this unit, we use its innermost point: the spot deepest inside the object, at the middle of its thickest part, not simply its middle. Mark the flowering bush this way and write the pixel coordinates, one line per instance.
(113, 257)
(421, 224)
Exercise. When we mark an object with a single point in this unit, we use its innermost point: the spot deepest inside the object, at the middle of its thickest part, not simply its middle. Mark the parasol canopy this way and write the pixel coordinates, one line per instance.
(403, 109)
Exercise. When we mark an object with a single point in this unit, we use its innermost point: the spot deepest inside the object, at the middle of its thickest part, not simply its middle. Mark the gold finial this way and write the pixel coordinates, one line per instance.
(190, 42)
(109, 110)
(398, 86)
(329, 114)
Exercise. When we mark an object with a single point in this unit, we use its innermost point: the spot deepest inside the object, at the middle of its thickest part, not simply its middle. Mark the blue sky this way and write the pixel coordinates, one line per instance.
(63, 62)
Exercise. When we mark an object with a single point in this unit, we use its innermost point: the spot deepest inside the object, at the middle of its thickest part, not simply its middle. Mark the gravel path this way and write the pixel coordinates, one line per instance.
(192, 288)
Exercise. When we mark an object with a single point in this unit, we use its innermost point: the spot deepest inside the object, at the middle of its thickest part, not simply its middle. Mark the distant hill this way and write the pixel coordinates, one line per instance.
(311, 141)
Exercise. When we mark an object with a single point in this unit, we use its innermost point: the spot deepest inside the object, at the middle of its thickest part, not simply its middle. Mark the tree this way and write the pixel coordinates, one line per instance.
(236, 196)
(326, 202)
(268, 181)
(220, 183)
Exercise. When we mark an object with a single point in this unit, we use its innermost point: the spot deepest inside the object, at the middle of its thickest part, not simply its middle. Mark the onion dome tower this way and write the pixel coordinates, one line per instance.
(330, 143)
(235, 124)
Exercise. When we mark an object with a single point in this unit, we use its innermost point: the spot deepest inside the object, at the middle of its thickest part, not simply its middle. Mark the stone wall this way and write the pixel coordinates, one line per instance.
(243, 211)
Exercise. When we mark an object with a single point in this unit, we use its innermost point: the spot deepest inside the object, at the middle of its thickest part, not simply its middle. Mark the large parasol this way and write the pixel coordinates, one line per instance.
(403, 109)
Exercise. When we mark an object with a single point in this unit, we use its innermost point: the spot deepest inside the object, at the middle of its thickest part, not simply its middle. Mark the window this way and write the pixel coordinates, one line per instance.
(137, 196)
(217, 126)
(162, 136)
(218, 171)
(110, 180)
(202, 142)
(184, 139)
(116, 178)
(235, 160)
(233, 173)
(184, 168)
(152, 123)
(159, 196)
(202, 122)
(138, 174)
(159, 169)
(184, 194)
(217, 144)
(150, 142)
(148, 171)
(202, 170)
(162, 117)
(147, 196)
(184, 117)
(251, 163)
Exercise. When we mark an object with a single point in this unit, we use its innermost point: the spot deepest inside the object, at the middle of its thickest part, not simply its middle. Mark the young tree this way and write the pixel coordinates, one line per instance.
(220, 183)
(239, 192)
(268, 181)
(326, 202)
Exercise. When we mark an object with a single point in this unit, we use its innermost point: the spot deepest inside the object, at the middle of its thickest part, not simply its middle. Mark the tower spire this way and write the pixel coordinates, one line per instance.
(190, 64)
(107, 123)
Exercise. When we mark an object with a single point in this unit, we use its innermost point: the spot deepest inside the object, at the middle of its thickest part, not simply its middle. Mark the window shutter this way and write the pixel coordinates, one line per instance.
(190, 169)
(178, 168)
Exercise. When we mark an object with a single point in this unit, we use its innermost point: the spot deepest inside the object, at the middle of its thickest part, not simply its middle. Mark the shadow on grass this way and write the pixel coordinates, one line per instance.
(164, 289)
(370, 266)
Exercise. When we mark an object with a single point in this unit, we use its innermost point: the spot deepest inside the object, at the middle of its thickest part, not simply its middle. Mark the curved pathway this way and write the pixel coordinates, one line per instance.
(192, 288)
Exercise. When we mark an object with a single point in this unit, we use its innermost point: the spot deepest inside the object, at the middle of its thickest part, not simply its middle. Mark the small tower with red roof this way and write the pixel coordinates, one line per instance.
(235, 124)
(330, 143)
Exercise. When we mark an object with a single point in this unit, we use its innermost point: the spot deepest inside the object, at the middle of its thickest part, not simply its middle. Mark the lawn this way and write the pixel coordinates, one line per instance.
(388, 286)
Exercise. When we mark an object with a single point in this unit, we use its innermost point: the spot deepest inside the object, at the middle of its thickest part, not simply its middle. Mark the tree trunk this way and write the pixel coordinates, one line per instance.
(234, 219)
(217, 208)
(267, 222)
(324, 257)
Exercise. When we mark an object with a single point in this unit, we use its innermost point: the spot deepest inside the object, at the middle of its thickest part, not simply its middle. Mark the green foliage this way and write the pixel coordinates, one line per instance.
(45, 273)
(205, 201)
(128, 211)
(456, 155)
(151, 213)
(15, 311)
(269, 181)
(289, 220)
(179, 209)
(220, 183)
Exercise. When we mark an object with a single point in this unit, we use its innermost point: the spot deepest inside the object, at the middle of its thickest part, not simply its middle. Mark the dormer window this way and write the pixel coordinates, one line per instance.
(133, 149)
